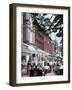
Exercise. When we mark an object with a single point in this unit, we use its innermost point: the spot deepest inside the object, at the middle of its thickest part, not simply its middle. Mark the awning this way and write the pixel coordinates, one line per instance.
(27, 48)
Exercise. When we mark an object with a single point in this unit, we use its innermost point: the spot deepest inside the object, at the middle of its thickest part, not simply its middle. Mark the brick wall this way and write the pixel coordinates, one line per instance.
(43, 42)
(39, 40)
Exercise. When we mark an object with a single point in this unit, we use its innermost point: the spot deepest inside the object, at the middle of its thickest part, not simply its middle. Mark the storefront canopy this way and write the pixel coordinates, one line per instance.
(27, 48)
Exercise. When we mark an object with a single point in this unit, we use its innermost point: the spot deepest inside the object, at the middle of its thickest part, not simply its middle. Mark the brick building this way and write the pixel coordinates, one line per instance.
(31, 35)
(43, 41)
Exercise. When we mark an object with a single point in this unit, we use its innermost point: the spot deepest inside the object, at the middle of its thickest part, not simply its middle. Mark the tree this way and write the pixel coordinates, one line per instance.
(49, 23)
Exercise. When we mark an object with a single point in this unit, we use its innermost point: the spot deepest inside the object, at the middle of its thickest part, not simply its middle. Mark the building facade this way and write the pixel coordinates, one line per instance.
(32, 36)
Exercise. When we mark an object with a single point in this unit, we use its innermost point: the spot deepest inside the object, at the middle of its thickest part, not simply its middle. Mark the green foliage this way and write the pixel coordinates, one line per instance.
(49, 23)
